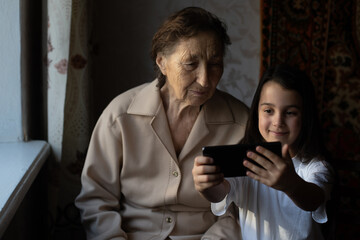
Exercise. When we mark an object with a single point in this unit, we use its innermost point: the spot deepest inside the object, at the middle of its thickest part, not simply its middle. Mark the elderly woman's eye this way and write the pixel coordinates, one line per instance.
(190, 65)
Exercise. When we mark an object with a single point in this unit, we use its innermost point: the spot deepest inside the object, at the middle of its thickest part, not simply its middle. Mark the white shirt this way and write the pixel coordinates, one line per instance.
(266, 213)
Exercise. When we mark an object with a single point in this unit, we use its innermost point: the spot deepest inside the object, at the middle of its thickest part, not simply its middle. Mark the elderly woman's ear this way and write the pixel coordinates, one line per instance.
(161, 62)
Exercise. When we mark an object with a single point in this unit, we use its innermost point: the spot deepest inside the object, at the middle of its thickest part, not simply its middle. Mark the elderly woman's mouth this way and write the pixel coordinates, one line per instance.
(198, 92)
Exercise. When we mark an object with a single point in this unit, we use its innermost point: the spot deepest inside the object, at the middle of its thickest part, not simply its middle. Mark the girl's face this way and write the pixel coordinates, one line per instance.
(279, 114)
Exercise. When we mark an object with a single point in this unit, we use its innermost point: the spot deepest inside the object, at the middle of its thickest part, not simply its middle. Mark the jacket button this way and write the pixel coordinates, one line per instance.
(175, 173)
(168, 220)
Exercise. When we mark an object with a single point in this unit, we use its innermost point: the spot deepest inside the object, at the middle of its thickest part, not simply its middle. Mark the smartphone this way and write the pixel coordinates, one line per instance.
(230, 157)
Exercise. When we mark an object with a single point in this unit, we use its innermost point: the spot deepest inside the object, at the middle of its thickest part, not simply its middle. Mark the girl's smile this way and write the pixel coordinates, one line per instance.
(279, 114)
(276, 133)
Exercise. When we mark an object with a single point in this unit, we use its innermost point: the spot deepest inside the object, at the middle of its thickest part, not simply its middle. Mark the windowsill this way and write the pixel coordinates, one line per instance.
(20, 162)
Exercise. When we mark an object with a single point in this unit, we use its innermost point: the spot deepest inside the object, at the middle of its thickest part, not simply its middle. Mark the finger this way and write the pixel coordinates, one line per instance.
(209, 169)
(205, 169)
(255, 168)
(271, 157)
(202, 160)
(263, 162)
(285, 152)
(203, 182)
(209, 178)
(201, 187)
(253, 176)
(261, 175)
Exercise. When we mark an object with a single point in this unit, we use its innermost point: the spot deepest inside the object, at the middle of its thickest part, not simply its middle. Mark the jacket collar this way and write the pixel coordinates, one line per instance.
(148, 101)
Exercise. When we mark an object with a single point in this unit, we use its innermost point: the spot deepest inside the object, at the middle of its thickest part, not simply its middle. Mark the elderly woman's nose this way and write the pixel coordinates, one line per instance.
(203, 76)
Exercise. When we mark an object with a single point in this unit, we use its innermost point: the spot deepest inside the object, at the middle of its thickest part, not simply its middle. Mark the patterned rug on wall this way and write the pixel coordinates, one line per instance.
(322, 37)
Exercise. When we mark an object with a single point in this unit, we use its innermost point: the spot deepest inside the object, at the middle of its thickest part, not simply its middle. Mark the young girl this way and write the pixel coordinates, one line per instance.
(286, 198)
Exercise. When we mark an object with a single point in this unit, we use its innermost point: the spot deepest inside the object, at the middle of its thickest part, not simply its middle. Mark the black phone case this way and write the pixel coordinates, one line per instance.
(230, 157)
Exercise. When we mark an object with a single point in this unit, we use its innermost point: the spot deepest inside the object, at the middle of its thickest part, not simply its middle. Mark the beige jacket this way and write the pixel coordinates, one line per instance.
(133, 184)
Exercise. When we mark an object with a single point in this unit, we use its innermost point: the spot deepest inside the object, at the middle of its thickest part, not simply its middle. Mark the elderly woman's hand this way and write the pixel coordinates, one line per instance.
(208, 179)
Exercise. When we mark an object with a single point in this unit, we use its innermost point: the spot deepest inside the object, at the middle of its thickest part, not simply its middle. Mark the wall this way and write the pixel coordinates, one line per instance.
(121, 39)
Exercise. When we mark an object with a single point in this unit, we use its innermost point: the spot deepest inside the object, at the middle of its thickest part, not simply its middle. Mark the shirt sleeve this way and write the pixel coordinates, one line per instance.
(320, 173)
(220, 208)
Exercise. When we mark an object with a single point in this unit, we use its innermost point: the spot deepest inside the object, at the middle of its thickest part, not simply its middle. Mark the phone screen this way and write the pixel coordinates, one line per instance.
(230, 157)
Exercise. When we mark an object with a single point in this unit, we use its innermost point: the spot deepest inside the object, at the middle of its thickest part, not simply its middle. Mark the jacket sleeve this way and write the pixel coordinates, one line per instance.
(226, 227)
(99, 199)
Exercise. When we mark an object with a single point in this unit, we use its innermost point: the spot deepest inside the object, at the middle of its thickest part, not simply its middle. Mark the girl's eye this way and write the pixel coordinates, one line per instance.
(291, 113)
(268, 111)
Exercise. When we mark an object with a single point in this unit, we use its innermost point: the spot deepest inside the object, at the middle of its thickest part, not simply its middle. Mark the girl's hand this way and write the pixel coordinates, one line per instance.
(208, 179)
(205, 174)
(277, 172)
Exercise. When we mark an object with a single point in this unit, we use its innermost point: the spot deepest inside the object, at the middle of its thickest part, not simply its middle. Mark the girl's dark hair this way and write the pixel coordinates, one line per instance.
(309, 142)
(185, 23)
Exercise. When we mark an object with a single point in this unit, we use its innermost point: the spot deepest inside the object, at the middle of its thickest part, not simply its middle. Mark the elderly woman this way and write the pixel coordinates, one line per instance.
(137, 181)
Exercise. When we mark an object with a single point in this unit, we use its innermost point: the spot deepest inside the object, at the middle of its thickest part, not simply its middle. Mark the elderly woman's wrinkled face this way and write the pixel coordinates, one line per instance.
(193, 68)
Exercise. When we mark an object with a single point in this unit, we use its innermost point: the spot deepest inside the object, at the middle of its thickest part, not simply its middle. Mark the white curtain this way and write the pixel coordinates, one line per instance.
(58, 47)
(66, 70)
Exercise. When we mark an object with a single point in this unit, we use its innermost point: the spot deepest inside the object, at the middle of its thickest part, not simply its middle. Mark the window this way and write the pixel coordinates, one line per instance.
(20, 161)
(10, 81)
